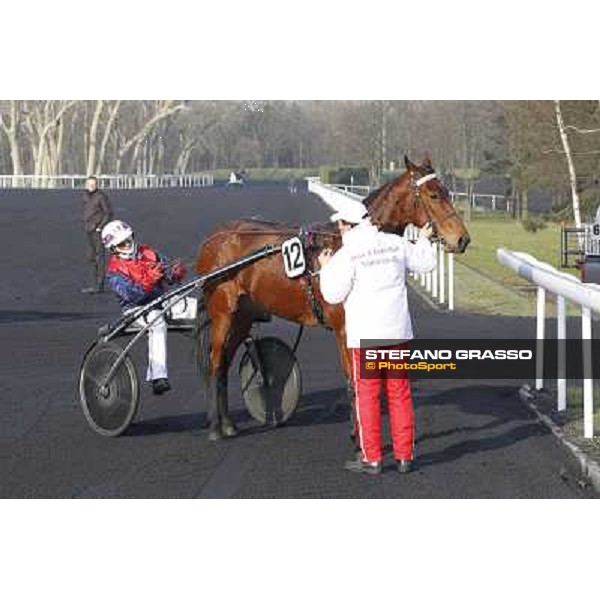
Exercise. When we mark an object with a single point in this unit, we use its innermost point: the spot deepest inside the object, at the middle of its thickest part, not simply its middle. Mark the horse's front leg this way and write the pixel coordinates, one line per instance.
(233, 332)
(217, 382)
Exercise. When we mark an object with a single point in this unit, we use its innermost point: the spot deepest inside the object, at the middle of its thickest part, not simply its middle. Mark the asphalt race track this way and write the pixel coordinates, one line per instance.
(474, 439)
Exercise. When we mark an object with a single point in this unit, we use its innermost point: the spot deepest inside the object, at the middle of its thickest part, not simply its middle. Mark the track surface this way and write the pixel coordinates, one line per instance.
(474, 439)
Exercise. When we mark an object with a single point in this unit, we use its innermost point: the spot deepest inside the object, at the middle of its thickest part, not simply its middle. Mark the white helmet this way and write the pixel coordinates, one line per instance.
(115, 233)
(351, 212)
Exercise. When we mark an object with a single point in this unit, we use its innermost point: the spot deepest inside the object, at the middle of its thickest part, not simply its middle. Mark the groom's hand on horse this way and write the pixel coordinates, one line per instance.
(325, 257)
(427, 231)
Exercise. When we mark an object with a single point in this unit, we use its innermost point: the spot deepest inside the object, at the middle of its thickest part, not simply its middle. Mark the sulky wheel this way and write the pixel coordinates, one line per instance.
(109, 410)
(271, 394)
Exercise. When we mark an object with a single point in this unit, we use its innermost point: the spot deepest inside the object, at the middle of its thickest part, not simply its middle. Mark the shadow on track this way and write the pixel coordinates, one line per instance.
(505, 425)
(314, 409)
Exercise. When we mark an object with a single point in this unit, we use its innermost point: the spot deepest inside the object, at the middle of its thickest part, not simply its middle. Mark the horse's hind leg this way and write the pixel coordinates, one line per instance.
(239, 330)
(220, 423)
(229, 328)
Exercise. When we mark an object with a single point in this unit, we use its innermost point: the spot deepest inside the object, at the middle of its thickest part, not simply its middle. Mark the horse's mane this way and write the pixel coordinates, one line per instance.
(381, 190)
(384, 189)
(263, 224)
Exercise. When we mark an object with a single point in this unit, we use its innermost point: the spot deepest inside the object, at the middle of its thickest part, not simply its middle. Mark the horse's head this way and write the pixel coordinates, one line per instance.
(419, 196)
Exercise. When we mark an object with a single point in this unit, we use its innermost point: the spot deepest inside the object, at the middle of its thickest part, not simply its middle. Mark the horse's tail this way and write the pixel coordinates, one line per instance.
(203, 340)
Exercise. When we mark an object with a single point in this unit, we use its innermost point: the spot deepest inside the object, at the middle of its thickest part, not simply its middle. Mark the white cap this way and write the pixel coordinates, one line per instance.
(352, 212)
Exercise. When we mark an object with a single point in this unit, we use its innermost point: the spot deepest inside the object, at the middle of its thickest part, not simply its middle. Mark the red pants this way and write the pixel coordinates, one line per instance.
(368, 412)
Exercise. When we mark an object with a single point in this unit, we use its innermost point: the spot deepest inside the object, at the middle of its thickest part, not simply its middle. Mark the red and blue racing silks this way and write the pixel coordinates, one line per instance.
(141, 279)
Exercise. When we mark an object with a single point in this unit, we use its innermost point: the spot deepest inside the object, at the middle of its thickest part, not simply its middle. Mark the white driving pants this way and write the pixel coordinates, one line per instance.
(157, 346)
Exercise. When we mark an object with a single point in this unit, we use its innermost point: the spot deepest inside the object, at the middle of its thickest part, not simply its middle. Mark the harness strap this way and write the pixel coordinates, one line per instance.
(419, 182)
(314, 303)
(418, 201)
(305, 235)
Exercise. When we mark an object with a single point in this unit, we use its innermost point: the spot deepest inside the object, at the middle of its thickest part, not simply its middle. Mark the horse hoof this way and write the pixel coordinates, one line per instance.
(229, 430)
(214, 435)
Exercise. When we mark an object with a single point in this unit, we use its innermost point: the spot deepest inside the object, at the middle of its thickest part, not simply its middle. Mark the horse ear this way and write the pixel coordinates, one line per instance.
(427, 161)
(410, 166)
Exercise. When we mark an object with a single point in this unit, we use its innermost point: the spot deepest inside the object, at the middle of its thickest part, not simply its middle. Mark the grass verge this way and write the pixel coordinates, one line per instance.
(485, 286)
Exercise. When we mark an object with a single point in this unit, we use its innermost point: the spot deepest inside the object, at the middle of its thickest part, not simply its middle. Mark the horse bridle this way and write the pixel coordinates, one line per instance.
(418, 201)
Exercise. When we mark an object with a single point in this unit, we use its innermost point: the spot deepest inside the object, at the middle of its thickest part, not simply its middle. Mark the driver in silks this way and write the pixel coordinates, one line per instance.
(138, 275)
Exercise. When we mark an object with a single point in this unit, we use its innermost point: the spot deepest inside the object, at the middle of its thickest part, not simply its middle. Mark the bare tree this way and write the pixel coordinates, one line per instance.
(108, 130)
(93, 138)
(43, 123)
(570, 164)
(160, 109)
(10, 123)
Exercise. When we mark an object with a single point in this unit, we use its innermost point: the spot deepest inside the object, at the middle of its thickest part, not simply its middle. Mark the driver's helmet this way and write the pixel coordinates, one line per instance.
(117, 236)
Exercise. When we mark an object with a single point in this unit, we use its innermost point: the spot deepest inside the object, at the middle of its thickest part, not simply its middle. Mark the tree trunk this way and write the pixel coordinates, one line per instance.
(43, 120)
(54, 143)
(15, 153)
(524, 203)
(160, 157)
(93, 136)
(183, 159)
(164, 111)
(469, 203)
(107, 131)
(11, 129)
(571, 166)
(151, 153)
(134, 159)
(384, 110)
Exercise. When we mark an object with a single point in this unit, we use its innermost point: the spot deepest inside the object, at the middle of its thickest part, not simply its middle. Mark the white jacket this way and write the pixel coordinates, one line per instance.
(368, 274)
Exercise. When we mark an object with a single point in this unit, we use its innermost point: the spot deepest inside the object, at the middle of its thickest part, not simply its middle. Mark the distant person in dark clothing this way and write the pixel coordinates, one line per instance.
(97, 212)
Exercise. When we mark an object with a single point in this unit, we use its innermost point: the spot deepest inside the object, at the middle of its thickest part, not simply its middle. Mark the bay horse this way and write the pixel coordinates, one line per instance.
(229, 307)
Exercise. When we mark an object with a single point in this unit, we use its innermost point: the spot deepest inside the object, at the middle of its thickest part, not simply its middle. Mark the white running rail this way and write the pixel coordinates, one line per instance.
(115, 182)
(439, 283)
(564, 287)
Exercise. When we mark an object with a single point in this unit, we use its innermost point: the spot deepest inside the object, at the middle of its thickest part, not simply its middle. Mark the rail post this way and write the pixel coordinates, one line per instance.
(588, 382)
(540, 326)
(450, 281)
(434, 273)
(442, 297)
(561, 334)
